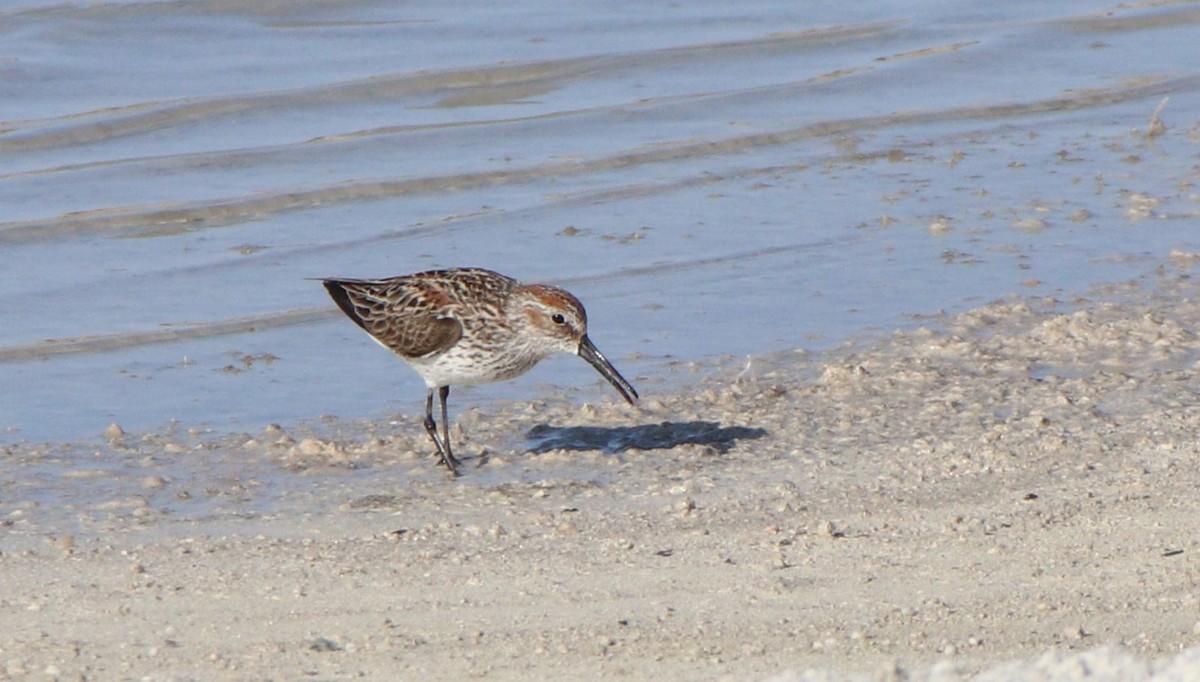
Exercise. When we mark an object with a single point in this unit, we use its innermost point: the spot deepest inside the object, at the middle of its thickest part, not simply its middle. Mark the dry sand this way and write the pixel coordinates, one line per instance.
(1018, 479)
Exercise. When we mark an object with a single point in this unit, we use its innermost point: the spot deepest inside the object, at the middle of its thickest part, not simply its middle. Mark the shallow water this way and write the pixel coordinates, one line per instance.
(712, 180)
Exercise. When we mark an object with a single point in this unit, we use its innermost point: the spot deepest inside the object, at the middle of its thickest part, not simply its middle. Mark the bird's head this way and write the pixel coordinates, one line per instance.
(559, 323)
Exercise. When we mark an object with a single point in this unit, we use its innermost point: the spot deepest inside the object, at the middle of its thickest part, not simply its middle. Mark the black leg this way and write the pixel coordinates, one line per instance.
(442, 442)
(443, 393)
(430, 425)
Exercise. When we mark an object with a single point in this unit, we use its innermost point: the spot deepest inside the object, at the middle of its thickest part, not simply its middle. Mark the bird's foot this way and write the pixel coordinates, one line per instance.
(450, 461)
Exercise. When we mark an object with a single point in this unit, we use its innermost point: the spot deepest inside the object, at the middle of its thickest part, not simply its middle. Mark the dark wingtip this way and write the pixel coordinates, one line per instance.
(341, 296)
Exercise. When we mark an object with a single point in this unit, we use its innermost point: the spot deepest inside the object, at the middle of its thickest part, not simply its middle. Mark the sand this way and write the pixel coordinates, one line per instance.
(1012, 490)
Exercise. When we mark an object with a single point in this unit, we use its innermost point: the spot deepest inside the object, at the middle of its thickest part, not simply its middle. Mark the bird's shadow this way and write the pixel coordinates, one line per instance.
(661, 436)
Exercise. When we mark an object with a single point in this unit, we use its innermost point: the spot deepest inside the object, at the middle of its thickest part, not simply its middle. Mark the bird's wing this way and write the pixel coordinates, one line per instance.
(406, 316)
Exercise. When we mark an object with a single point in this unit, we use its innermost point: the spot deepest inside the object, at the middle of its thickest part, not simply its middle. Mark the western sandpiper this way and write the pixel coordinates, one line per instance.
(467, 326)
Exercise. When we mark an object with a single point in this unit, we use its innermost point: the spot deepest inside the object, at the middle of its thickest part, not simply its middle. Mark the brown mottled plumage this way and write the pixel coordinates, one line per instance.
(469, 326)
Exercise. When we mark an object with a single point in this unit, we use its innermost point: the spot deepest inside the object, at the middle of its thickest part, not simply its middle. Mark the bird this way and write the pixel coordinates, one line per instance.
(468, 326)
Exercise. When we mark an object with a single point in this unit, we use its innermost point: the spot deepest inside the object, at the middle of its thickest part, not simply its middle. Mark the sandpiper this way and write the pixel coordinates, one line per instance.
(465, 326)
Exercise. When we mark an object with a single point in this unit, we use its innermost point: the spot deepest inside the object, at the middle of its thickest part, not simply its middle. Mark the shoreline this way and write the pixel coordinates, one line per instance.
(1019, 480)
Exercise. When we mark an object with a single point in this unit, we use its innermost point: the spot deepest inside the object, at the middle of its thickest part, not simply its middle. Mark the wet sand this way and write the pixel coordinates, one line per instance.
(1011, 480)
(992, 486)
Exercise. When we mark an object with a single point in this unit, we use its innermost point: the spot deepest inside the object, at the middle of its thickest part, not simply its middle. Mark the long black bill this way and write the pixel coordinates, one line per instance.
(596, 359)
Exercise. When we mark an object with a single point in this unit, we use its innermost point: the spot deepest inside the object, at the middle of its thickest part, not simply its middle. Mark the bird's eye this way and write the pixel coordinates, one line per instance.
(558, 318)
